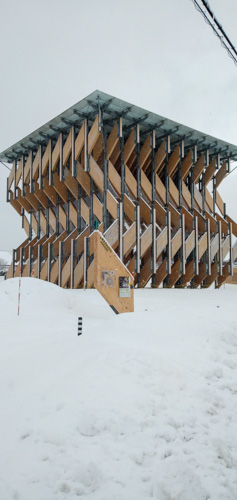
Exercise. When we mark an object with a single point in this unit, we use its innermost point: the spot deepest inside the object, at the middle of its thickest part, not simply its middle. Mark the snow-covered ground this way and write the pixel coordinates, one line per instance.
(139, 406)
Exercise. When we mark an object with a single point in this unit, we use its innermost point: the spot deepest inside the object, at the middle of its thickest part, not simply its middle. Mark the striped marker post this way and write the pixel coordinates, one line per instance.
(19, 294)
(79, 331)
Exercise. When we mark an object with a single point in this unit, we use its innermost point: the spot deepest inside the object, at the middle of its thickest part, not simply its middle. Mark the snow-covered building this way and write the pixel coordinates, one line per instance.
(148, 184)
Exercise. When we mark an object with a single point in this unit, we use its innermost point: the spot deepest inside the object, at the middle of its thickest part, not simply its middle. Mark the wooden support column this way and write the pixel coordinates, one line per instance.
(38, 222)
(231, 251)
(51, 179)
(183, 246)
(214, 195)
(203, 196)
(220, 263)
(40, 169)
(169, 247)
(91, 205)
(31, 173)
(60, 261)
(121, 204)
(73, 161)
(153, 210)
(79, 220)
(105, 187)
(72, 262)
(196, 258)
(61, 157)
(208, 260)
(138, 216)
(86, 159)
(167, 143)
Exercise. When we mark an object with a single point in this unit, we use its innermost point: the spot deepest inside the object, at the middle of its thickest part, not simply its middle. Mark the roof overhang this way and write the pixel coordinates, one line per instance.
(112, 109)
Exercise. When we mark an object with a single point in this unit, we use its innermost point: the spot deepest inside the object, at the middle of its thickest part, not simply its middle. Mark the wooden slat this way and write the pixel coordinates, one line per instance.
(73, 213)
(186, 194)
(197, 196)
(60, 187)
(83, 178)
(159, 156)
(79, 142)
(146, 186)
(173, 161)
(131, 182)
(175, 273)
(114, 178)
(209, 199)
(11, 175)
(40, 195)
(161, 273)
(145, 151)
(96, 174)
(85, 212)
(112, 205)
(187, 163)
(112, 140)
(176, 242)
(45, 158)
(175, 216)
(97, 208)
(234, 225)
(23, 201)
(202, 245)
(56, 154)
(146, 240)
(219, 202)
(189, 273)
(214, 246)
(111, 235)
(78, 272)
(160, 189)
(129, 239)
(174, 193)
(198, 169)
(189, 244)
(129, 146)
(224, 277)
(188, 218)
(160, 214)
(27, 168)
(19, 171)
(221, 174)
(161, 242)
(145, 212)
(71, 183)
(214, 273)
(31, 198)
(93, 135)
(210, 171)
(50, 191)
(129, 208)
(67, 148)
(198, 279)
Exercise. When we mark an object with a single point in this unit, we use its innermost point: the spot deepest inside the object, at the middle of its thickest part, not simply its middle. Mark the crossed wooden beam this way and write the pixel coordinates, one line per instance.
(149, 198)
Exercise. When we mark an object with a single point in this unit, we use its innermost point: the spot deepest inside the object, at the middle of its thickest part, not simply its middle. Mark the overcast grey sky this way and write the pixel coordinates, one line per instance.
(158, 54)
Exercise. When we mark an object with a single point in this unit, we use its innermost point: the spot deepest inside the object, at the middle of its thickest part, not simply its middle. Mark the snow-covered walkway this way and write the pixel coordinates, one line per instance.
(139, 406)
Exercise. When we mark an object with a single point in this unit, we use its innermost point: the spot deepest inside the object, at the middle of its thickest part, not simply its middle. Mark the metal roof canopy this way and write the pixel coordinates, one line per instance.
(113, 108)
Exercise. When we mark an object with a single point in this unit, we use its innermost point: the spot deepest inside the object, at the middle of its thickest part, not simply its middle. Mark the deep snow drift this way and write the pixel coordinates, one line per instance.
(139, 406)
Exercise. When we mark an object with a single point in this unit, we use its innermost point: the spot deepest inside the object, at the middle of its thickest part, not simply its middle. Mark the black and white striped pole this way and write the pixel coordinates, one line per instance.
(79, 331)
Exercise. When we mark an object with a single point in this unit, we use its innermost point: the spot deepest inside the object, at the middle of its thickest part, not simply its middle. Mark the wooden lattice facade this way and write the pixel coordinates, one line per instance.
(149, 185)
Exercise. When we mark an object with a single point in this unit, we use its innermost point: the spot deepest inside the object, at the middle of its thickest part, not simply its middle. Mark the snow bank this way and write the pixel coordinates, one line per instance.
(139, 406)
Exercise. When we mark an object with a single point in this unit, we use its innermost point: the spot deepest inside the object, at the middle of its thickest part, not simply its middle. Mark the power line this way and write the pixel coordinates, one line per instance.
(217, 29)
